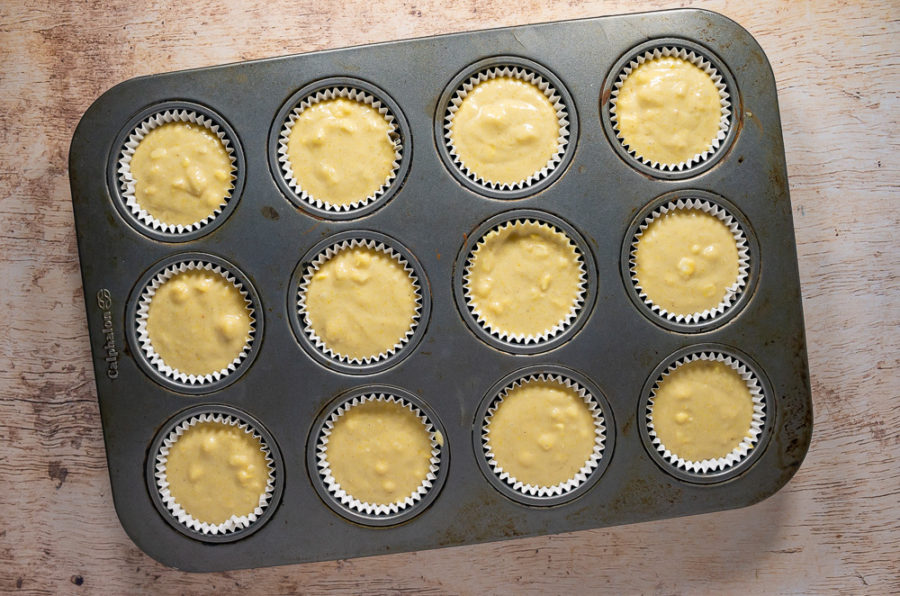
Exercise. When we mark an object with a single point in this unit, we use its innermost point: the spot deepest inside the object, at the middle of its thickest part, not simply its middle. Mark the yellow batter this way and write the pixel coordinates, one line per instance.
(702, 410)
(182, 173)
(524, 278)
(505, 130)
(198, 322)
(379, 452)
(216, 471)
(341, 151)
(361, 302)
(542, 433)
(668, 110)
(686, 260)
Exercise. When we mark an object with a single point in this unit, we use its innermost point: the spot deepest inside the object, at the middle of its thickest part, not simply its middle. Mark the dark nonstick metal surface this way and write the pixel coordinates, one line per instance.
(451, 369)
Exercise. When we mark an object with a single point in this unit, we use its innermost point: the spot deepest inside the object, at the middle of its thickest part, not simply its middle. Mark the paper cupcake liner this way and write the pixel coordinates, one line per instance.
(345, 92)
(522, 74)
(235, 523)
(522, 338)
(127, 181)
(583, 473)
(696, 60)
(347, 500)
(328, 254)
(732, 293)
(143, 311)
(751, 439)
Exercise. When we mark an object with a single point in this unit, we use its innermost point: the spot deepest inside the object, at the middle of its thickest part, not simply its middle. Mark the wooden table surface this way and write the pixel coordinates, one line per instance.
(834, 526)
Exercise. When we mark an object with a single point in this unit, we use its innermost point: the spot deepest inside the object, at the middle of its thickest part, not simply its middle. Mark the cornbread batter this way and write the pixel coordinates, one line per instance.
(198, 322)
(686, 260)
(340, 151)
(379, 452)
(524, 278)
(182, 173)
(542, 433)
(216, 471)
(505, 130)
(702, 410)
(361, 302)
(668, 110)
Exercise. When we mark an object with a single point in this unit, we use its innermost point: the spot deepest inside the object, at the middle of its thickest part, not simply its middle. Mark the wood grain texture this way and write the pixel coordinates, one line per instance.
(834, 527)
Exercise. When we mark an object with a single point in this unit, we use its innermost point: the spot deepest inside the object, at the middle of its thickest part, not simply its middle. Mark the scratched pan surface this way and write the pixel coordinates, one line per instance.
(451, 369)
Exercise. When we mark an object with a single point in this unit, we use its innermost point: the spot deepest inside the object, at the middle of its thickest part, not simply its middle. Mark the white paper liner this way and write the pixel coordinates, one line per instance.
(348, 500)
(345, 92)
(233, 524)
(750, 440)
(708, 68)
(324, 257)
(127, 181)
(522, 74)
(522, 338)
(732, 292)
(583, 473)
(143, 311)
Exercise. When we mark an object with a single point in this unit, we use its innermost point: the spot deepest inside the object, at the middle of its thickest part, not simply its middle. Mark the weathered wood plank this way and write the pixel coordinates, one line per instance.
(835, 526)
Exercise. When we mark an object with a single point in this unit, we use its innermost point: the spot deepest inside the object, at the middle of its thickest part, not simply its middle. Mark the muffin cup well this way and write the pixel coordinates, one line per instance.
(519, 342)
(138, 312)
(703, 59)
(377, 514)
(732, 293)
(327, 90)
(715, 469)
(582, 474)
(236, 527)
(125, 182)
(313, 345)
(322, 254)
(594, 467)
(523, 70)
(748, 259)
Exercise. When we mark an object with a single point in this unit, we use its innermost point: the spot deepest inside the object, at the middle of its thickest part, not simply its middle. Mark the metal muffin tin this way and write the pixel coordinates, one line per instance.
(616, 347)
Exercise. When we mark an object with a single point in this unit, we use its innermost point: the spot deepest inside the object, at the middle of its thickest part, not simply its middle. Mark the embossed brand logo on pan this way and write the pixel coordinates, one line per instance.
(104, 301)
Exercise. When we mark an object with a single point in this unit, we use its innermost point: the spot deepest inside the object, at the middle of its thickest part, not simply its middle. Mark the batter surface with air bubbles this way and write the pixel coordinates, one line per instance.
(668, 110)
(198, 322)
(702, 410)
(361, 303)
(379, 452)
(182, 173)
(524, 279)
(542, 433)
(340, 151)
(686, 261)
(505, 130)
(216, 471)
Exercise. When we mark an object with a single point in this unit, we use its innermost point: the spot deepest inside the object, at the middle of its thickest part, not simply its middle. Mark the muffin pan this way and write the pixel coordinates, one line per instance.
(432, 212)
